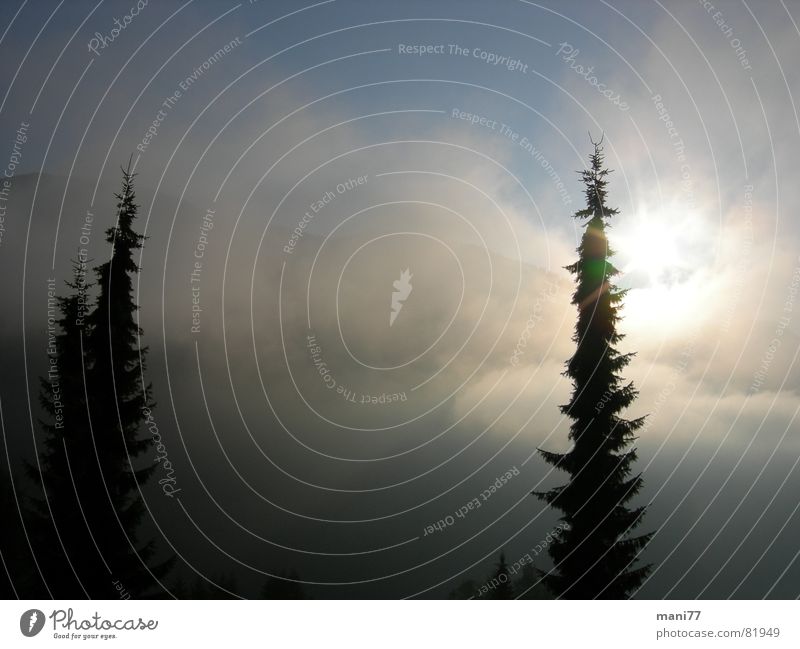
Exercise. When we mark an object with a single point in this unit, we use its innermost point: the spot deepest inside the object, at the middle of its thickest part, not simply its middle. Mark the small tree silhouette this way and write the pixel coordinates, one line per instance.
(594, 556)
(503, 586)
(284, 585)
(17, 571)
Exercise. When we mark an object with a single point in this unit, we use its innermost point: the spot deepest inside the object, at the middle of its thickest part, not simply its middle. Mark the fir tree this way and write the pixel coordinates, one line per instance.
(465, 590)
(223, 587)
(594, 557)
(529, 584)
(88, 515)
(504, 588)
(120, 399)
(16, 565)
(63, 543)
(284, 585)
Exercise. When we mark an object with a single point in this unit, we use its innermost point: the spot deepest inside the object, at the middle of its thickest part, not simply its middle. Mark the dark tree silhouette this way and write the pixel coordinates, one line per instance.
(503, 586)
(465, 590)
(16, 566)
(63, 544)
(120, 399)
(595, 556)
(284, 585)
(91, 508)
(529, 584)
(223, 587)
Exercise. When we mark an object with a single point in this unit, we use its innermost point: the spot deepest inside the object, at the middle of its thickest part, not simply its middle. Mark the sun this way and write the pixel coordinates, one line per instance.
(654, 249)
(662, 255)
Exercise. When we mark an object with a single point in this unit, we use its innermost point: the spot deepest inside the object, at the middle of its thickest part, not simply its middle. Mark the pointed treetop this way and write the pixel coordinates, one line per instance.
(595, 182)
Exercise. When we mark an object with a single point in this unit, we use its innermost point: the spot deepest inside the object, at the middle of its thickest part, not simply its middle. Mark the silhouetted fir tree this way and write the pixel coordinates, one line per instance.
(16, 565)
(465, 590)
(8, 550)
(62, 542)
(224, 587)
(504, 587)
(529, 584)
(595, 556)
(119, 399)
(89, 509)
(284, 585)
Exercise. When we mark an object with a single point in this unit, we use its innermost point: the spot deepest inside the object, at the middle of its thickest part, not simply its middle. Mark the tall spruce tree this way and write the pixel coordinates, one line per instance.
(88, 515)
(119, 402)
(595, 556)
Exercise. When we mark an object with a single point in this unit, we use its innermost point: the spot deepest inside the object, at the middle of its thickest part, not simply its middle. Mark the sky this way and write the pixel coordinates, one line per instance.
(293, 159)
